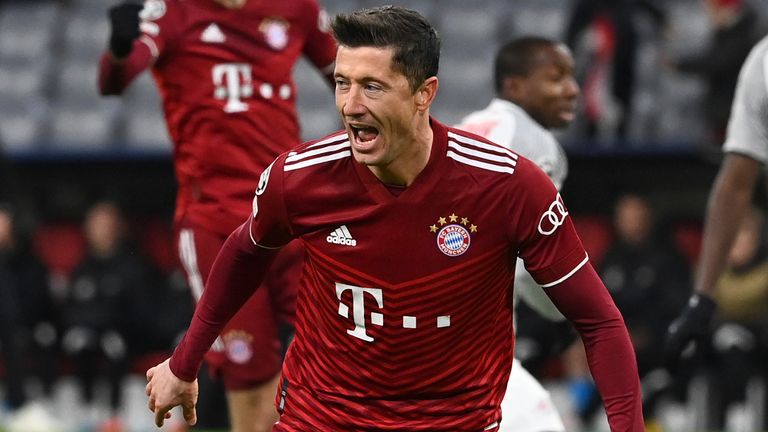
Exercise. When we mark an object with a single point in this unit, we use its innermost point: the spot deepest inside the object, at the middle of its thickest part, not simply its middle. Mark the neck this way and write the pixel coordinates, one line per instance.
(404, 169)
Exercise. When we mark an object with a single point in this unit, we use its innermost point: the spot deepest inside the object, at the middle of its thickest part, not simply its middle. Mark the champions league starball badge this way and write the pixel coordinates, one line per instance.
(453, 239)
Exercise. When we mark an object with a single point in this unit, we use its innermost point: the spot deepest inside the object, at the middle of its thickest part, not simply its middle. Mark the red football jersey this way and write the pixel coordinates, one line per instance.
(404, 318)
(228, 97)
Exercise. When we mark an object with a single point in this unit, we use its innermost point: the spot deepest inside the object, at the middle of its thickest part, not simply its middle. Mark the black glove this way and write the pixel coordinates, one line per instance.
(124, 19)
(692, 325)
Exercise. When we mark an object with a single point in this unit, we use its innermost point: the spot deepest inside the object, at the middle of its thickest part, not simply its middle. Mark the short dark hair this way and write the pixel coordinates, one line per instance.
(415, 42)
(518, 57)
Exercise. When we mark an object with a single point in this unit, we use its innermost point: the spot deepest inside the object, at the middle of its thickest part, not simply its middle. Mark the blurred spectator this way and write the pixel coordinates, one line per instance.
(739, 340)
(648, 279)
(735, 31)
(7, 178)
(109, 306)
(614, 47)
(27, 319)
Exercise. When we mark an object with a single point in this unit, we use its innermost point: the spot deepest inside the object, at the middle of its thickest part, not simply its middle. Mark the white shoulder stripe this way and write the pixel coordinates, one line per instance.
(570, 273)
(475, 163)
(318, 160)
(482, 145)
(482, 155)
(295, 157)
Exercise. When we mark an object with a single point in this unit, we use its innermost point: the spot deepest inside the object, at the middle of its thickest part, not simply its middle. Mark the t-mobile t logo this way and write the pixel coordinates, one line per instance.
(358, 308)
(233, 82)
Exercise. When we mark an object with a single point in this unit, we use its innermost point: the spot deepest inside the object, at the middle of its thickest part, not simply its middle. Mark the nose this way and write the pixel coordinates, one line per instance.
(572, 88)
(352, 103)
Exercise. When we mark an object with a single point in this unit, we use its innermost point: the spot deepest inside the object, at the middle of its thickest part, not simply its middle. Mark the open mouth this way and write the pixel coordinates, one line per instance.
(364, 134)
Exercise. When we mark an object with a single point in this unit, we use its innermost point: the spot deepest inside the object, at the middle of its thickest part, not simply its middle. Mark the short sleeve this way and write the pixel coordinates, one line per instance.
(161, 22)
(320, 47)
(269, 226)
(748, 126)
(543, 229)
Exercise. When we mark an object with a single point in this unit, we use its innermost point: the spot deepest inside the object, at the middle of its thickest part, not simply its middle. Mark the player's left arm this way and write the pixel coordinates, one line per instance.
(556, 259)
(320, 47)
(585, 301)
(533, 295)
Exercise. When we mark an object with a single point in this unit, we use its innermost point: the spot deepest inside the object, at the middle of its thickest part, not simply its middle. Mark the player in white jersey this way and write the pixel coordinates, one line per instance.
(535, 91)
(746, 155)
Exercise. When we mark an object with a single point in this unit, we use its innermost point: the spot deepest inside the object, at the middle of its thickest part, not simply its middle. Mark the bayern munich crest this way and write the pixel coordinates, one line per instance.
(453, 234)
(238, 346)
(275, 32)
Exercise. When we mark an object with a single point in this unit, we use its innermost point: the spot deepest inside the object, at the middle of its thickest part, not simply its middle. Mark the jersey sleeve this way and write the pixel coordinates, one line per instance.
(237, 272)
(585, 301)
(547, 239)
(161, 24)
(320, 47)
(747, 132)
(115, 76)
(269, 226)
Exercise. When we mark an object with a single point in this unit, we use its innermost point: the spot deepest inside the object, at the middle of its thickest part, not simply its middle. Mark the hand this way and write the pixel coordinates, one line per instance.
(693, 324)
(166, 391)
(124, 20)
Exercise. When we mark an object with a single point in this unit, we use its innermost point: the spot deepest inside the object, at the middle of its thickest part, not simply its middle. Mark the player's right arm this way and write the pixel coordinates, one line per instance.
(138, 36)
(555, 257)
(237, 271)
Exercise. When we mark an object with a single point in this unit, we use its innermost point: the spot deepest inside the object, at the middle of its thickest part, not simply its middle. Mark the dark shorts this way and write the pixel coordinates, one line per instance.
(250, 349)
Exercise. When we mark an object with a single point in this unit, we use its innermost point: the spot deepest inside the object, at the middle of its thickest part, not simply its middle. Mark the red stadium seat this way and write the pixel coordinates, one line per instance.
(60, 246)
(156, 241)
(596, 234)
(145, 361)
(687, 239)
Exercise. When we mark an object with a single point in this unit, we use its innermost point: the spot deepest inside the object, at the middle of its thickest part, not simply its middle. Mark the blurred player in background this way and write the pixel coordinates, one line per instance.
(223, 68)
(536, 91)
(746, 155)
(404, 317)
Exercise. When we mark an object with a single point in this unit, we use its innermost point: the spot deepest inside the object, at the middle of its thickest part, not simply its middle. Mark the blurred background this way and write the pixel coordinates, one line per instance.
(656, 87)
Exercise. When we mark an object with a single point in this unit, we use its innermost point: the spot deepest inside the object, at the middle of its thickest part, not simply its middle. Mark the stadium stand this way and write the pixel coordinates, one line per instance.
(48, 50)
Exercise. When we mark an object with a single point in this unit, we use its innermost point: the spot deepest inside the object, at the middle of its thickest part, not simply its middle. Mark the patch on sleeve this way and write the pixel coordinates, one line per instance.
(153, 9)
(553, 217)
(263, 180)
(149, 28)
(255, 206)
(262, 186)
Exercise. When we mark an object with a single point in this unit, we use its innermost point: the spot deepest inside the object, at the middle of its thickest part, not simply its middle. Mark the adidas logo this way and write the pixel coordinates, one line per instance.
(212, 34)
(341, 236)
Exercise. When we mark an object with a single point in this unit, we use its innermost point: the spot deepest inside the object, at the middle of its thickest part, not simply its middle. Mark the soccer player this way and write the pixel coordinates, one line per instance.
(411, 228)
(746, 154)
(536, 91)
(223, 68)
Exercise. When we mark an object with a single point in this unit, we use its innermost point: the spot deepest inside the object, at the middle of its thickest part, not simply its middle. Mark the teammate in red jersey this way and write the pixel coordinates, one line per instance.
(223, 68)
(404, 315)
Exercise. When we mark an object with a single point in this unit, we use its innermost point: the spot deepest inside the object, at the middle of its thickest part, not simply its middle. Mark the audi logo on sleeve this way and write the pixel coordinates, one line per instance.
(553, 217)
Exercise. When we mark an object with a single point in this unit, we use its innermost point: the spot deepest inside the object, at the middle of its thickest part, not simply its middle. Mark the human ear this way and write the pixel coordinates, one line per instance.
(426, 93)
